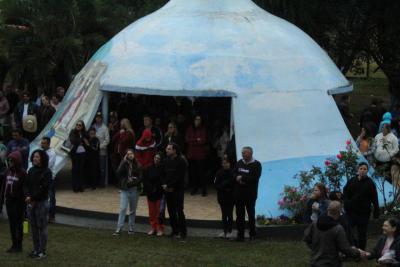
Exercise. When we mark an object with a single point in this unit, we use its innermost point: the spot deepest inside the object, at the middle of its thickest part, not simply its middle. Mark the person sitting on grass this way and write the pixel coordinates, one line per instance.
(387, 249)
(129, 175)
(224, 183)
(317, 204)
(36, 190)
(326, 238)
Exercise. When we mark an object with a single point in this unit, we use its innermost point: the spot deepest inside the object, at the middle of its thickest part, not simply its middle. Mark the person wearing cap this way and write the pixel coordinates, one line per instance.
(25, 108)
(359, 194)
(103, 134)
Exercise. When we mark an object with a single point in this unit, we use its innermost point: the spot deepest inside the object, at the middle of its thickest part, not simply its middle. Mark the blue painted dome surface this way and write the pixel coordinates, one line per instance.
(213, 46)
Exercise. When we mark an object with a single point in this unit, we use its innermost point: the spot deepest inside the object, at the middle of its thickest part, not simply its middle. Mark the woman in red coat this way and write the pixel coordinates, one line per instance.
(145, 149)
(122, 140)
(196, 139)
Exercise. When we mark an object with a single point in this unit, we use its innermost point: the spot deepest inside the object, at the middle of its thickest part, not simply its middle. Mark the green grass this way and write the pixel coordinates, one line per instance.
(72, 246)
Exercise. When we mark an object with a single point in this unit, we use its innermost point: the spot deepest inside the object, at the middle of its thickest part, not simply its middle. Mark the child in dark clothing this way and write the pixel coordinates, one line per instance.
(92, 159)
(343, 221)
(224, 183)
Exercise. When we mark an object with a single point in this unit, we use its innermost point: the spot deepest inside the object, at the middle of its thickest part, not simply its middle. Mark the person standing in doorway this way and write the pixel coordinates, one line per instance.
(92, 162)
(359, 194)
(78, 151)
(156, 132)
(196, 139)
(174, 185)
(45, 145)
(247, 174)
(103, 135)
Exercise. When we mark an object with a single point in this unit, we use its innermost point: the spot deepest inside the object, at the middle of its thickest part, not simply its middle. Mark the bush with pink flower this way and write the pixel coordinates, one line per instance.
(335, 171)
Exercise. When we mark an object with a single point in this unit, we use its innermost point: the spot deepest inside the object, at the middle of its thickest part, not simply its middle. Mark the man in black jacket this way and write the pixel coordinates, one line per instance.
(326, 238)
(173, 185)
(358, 195)
(247, 173)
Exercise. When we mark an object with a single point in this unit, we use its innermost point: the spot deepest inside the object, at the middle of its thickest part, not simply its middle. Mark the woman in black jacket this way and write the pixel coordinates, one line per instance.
(224, 182)
(387, 249)
(129, 176)
(12, 193)
(92, 162)
(79, 142)
(152, 186)
(36, 188)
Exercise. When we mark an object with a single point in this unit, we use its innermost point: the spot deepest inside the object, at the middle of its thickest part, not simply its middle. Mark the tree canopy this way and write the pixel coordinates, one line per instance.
(43, 43)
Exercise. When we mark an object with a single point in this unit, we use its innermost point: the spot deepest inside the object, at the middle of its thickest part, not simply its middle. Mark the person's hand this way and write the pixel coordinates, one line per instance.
(28, 200)
(315, 206)
(198, 139)
(238, 178)
(164, 186)
(122, 131)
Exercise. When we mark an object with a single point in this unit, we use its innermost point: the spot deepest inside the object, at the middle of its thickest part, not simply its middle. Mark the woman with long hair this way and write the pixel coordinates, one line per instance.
(36, 188)
(129, 176)
(317, 204)
(387, 249)
(79, 141)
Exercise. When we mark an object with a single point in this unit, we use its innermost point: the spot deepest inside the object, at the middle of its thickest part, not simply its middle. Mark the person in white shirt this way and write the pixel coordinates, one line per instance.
(103, 135)
(45, 145)
(386, 145)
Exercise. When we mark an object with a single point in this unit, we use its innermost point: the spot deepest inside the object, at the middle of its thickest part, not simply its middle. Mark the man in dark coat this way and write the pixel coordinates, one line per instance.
(24, 108)
(326, 238)
(359, 194)
(247, 173)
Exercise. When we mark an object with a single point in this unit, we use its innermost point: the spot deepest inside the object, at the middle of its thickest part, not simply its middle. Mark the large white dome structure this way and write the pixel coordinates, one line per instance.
(280, 81)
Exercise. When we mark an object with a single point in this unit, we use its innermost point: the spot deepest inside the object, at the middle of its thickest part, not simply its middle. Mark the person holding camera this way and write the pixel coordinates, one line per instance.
(129, 174)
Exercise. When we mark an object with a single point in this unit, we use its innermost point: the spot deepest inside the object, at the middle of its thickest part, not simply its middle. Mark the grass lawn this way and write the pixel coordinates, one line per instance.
(71, 246)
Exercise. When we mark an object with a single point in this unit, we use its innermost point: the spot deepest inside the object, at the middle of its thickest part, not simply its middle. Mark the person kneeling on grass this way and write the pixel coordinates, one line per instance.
(326, 238)
(129, 175)
(152, 186)
(224, 183)
(36, 189)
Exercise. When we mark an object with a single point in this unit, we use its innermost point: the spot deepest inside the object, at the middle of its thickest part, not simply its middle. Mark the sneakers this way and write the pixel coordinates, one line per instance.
(33, 254)
(152, 232)
(117, 233)
(131, 232)
(229, 235)
(160, 233)
(222, 235)
(40, 256)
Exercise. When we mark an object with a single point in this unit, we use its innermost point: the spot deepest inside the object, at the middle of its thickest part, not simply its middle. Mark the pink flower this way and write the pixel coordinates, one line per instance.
(348, 142)
(281, 202)
(303, 197)
(327, 163)
(339, 156)
(294, 190)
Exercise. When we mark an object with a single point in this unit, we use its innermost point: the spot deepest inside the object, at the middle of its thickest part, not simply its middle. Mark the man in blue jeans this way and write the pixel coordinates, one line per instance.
(103, 135)
(45, 145)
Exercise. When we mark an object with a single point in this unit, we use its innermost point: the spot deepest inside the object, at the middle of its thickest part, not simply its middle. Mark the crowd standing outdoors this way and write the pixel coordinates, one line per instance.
(160, 147)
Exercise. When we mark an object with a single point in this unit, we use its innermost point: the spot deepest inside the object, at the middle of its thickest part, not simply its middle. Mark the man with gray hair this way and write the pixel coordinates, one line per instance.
(326, 238)
(247, 173)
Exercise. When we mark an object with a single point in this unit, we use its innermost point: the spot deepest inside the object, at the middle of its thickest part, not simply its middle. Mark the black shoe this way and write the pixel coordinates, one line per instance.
(182, 238)
(204, 193)
(194, 191)
(41, 255)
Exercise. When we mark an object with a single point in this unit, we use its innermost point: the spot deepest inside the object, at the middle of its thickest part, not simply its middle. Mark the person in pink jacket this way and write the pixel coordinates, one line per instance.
(196, 139)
